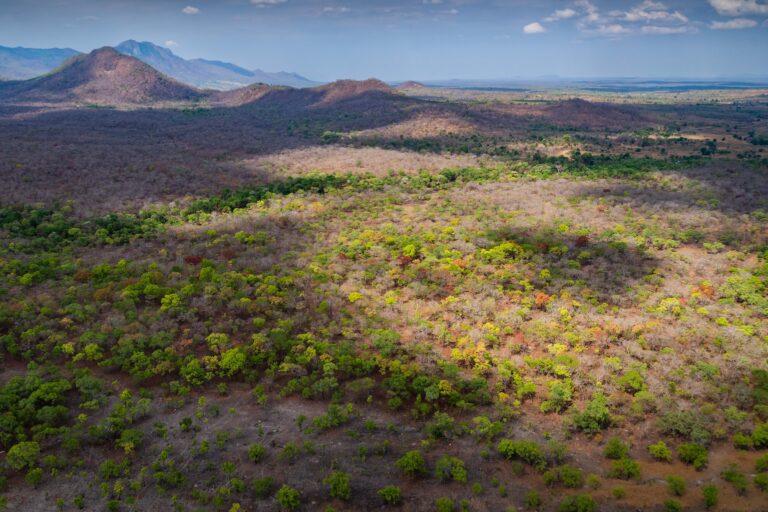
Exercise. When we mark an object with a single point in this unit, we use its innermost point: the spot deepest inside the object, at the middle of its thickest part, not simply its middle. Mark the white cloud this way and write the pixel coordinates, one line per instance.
(613, 29)
(533, 28)
(739, 7)
(734, 24)
(190, 10)
(654, 29)
(561, 14)
(451, 11)
(336, 9)
(267, 3)
(170, 43)
(649, 10)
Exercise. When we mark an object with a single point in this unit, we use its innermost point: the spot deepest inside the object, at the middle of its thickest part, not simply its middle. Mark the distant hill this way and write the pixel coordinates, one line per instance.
(410, 84)
(211, 74)
(23, 63)
(102, 76)
(323, 95)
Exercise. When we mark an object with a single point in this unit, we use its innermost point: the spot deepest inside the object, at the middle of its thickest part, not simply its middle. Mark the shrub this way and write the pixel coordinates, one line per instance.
(761, 464)
(686, 424)
(761, 481)
(532, 499)
(527, 451)
(619, 492)
(632, 382)
(676, 485)
(262, 487)
(130, 439)
(256, 452)
(288, 498)
(412, 463)
(615, 449)
(710, 495)
(23, 455)
(338, 481)
(660, 451)
(694, 454)
(579, 503)
(444, 505)
(672, 506)
(566, 475)
(390, 494)
(624, 469)
(595, 416)
(34, 476)
(450, 468)
(732, 475)
(760, 436)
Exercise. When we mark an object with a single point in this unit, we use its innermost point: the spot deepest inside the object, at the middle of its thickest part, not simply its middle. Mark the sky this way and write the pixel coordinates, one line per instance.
(420, 39)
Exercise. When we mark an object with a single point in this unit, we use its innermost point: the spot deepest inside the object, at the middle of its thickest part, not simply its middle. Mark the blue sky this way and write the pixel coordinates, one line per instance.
(420, 39)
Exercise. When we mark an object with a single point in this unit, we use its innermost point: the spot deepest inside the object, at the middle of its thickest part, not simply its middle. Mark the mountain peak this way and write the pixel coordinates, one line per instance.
(104, 76)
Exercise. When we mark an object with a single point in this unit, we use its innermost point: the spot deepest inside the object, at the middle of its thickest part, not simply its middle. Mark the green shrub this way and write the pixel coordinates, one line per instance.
(412, 463)
(338, 481)
(444, 505)
(660, 451)
(565, 475)
(632, 381)
(732, 475)
(686, 424)
(532, 499)
(760, 436)
(595, 416)
(616, 449)
(676, 485)
(390, 494)
(288, 498)
(672, 506)
(761, 481)
(450, 468)
(256, 452)
(527, 451)
(761, 464)
(262, 487)
(624, 469)
(23, 455)
(710, 493)
(694, 454)
(34, 476)
(579, 503)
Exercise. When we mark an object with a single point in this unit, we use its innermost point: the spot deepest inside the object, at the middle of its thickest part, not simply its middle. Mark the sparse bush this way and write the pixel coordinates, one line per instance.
(450, 468)
(710, 494)
(338, 481)
(288, 498)
(527, 451)
(578, 503)
(412, 463)
(676, 485)
(624, 469)
(615, 449)
(390, 494)
(660, 451)
(693, 454)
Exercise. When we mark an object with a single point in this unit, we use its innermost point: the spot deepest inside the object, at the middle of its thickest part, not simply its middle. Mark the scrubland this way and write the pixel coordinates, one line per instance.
(348, 307)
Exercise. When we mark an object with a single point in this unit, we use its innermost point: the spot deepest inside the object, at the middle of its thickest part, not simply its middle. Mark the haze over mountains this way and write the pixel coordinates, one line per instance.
(25, 63)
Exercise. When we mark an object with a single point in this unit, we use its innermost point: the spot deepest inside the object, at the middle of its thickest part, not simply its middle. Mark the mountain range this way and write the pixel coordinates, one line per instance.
(24, 63)
(108, 77)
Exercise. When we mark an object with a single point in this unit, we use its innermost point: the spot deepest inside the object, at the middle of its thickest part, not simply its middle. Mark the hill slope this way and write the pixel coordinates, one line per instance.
(203, 73)
(24, 63)
(102, 76)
